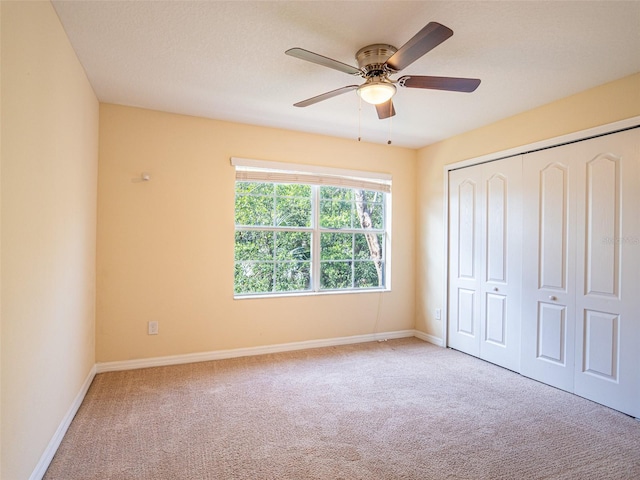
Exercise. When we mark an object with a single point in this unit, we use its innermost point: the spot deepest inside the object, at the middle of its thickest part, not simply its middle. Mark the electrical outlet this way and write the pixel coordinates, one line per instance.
(153, 328)
(438, 314)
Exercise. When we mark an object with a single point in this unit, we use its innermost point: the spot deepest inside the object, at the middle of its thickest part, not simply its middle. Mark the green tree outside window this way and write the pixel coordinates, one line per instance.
(276, 225)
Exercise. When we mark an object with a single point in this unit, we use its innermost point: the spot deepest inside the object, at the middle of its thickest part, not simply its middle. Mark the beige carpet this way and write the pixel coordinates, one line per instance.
(401, 409)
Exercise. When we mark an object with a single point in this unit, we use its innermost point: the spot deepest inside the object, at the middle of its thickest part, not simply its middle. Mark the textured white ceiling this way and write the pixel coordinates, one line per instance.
(225, 59)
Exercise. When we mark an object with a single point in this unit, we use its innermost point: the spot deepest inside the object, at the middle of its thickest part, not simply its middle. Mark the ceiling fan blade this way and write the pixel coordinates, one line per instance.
(321, 60)
(385, 110)
(440, 83)
(432, 35)
(325, 96)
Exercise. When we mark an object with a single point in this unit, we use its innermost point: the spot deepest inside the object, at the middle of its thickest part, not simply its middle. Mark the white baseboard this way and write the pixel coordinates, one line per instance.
(54, 443)
(244, 352)
(428, 338)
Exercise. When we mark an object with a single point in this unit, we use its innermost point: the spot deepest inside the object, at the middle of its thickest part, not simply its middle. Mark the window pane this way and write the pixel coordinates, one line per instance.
(293, 276)
(255, 188)
(336, 193)
(335, 275)
(361, 250)
(366, 275)
(293, 246)
(336, 214)
(336, 246)
(368, 250)
(368, 215)
(293, 190)
(251, 277)
(371, 196)
(293, 212)
(254, 245)
(293, 205)
(256, 211)
(377, 215)
(351, 208)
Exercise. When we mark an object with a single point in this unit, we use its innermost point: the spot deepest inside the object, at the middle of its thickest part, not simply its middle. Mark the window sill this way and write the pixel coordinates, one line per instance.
(309, 294)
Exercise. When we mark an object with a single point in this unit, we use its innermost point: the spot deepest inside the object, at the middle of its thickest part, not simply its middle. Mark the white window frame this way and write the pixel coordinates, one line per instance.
(251, 170)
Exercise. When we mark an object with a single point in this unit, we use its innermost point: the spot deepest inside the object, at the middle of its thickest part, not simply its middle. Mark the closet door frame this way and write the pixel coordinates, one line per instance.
(606, 129)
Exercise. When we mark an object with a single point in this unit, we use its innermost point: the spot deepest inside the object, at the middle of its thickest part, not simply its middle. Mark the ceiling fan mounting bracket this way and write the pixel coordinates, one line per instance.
(372, 59)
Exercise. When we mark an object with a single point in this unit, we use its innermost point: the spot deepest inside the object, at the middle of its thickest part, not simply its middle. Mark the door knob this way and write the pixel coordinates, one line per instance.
(553, 298)
(495, 289)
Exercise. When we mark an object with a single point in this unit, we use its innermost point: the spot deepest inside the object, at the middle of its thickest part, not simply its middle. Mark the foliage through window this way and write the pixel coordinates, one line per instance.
(292, 237)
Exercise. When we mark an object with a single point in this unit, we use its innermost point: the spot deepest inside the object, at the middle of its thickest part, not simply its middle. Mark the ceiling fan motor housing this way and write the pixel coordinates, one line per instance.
(371, 59)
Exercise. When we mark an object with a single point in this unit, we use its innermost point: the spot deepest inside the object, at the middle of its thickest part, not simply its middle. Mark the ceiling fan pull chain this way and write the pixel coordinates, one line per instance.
(390, 121)
(359, 119)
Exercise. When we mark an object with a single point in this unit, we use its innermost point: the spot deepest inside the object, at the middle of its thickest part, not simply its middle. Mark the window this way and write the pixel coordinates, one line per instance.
(308, 232)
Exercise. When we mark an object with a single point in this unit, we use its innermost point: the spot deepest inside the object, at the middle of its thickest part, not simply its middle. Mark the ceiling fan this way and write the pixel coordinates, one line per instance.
(376, 64)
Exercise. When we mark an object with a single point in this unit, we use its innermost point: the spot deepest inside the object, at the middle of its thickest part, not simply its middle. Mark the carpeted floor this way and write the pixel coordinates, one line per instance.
(401, 409)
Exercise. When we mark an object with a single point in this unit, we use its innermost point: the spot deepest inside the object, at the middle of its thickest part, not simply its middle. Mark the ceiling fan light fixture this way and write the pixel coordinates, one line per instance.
(376, 93)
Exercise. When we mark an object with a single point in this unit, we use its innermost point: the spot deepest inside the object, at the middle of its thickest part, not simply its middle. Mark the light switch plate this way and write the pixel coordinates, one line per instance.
(153, 328)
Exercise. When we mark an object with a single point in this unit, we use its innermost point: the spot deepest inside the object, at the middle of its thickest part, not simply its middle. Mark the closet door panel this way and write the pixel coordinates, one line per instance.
(496, 214)
(602, 224)
(466, 321)
(608, 261)
(467, 226)
(601, 345)
(551, 329)
(548, 306)
(464, 261)
(502, 270)
(553, 199)
(496, 320)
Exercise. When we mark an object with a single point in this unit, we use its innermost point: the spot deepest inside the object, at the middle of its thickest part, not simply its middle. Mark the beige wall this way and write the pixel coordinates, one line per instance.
(165, 247)
(48, 198)
(601, 105)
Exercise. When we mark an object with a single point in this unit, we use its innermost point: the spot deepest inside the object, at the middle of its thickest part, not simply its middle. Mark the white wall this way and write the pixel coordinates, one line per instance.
(49, 155)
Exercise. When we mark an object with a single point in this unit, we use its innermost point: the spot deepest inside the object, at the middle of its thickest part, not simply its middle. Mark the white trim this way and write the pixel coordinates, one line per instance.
(513, 152)
(249, 351)
(428, 338)
(54, 443)
(444, 316)
(295, 167)
(309, 293)
(549, 143)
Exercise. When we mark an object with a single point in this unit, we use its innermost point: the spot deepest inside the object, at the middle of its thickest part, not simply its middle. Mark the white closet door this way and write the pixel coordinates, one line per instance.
(548, 282)
(485, 224)
(607, 365)
(464, 259)
(501, 285)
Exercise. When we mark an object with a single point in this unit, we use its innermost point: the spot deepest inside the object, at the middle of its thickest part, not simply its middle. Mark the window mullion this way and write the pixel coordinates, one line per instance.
(315, 239)
(376, 231)
(275, 206)
(353, 260)
(273, 271)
